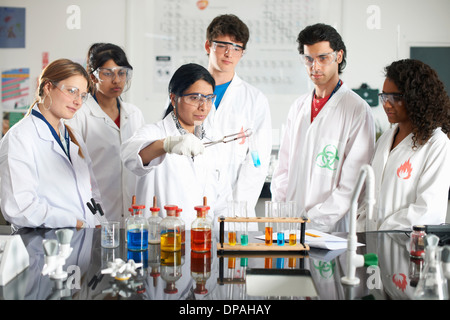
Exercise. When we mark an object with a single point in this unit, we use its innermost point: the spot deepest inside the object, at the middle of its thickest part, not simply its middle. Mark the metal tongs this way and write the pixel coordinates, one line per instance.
(230, 138)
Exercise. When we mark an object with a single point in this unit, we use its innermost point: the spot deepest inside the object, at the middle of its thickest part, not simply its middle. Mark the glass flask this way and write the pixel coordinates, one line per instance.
(432, 283)
(137, 230)
(154, 228)
(170, 230)
(201, 230)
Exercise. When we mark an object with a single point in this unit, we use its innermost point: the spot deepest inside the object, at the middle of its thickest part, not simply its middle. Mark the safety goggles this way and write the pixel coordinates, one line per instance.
(72, 92)
(198, 99)
(322, 60)
(223, 47)
(110, 74)
(392, 98)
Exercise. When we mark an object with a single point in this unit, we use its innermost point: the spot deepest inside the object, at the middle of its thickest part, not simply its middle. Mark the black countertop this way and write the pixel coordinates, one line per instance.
(223, 275)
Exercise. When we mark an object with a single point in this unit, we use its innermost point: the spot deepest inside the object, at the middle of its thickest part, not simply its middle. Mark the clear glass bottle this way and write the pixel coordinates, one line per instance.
(137, 230)
(171, 270)
(201, 230)
(200, 270)
(129, 216)
(154, 226)
(183, 225)
(170, 230)
(417, 242)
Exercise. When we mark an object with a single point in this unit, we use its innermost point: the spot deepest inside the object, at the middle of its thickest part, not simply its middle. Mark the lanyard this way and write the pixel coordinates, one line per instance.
(339, 84)
(54, 134)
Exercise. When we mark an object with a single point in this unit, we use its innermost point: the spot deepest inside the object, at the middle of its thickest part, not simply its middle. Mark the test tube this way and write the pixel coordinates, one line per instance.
(292, 213)
(254, 151)
(268, 228)
(242, 205)
(280, 226)
(232, 239)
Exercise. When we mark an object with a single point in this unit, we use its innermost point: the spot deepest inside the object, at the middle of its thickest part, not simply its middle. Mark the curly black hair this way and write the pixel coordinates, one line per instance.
(426, 101)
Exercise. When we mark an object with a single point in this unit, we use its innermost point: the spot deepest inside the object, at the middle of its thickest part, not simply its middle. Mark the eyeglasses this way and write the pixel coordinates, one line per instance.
(392, 98)
(73, 92)
(123, 73)
(222, 47)
(322, 60)
(198, 99)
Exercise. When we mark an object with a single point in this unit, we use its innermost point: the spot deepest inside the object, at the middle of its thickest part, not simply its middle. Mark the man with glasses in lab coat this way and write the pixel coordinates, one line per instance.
(329, 135)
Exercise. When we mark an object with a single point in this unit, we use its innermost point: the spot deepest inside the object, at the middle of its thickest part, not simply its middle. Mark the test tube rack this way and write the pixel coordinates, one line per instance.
(300, 246)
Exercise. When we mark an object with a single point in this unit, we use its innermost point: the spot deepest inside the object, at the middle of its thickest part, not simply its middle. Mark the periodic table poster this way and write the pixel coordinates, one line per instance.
(271, 61)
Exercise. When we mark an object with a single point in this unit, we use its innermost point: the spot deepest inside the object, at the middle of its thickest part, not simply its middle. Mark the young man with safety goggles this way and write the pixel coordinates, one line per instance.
(329, 135)
(239, 106)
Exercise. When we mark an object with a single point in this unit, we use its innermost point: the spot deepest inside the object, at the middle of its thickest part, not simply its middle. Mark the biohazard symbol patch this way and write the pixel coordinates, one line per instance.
(328, 158)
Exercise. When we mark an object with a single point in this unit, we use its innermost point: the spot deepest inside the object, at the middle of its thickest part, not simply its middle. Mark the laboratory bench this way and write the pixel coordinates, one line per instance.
(218, 276)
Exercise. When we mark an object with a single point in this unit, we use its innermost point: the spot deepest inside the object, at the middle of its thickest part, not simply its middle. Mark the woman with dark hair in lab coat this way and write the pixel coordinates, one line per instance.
(105, 121)
(171, 162)
(412, 159)
(46, 173)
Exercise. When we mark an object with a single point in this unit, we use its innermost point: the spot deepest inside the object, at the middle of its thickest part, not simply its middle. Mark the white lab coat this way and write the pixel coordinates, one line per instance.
(319, 162)
(175, 179)
(411, 186)
(242, 107)
(40, 187)
(103, 139)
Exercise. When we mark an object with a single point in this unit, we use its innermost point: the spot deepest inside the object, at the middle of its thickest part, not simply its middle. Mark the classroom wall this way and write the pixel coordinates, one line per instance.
(375, 32)
(52, 28)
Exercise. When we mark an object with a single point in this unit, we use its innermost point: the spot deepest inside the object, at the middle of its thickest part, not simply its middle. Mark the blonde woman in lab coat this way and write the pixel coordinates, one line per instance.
(171, 162)
(46, 173)
(412, 159)
(105, 121)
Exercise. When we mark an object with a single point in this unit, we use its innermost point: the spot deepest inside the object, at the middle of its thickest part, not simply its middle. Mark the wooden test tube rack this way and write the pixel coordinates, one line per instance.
(223, 247)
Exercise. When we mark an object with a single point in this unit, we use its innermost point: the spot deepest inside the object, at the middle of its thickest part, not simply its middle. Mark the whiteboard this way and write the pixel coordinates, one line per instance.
(177, 29)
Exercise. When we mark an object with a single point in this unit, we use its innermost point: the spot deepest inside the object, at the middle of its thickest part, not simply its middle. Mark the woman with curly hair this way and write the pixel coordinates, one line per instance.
(412, 159)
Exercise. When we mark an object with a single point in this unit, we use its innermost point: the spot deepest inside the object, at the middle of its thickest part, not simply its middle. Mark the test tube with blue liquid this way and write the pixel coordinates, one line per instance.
(254, 151)
(281, 213)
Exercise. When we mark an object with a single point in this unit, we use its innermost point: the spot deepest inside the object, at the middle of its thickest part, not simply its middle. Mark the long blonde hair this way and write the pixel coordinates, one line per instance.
(55, 72)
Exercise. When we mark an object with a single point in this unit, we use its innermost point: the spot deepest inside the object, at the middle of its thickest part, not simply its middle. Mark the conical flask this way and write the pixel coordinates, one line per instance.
(432, 283)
